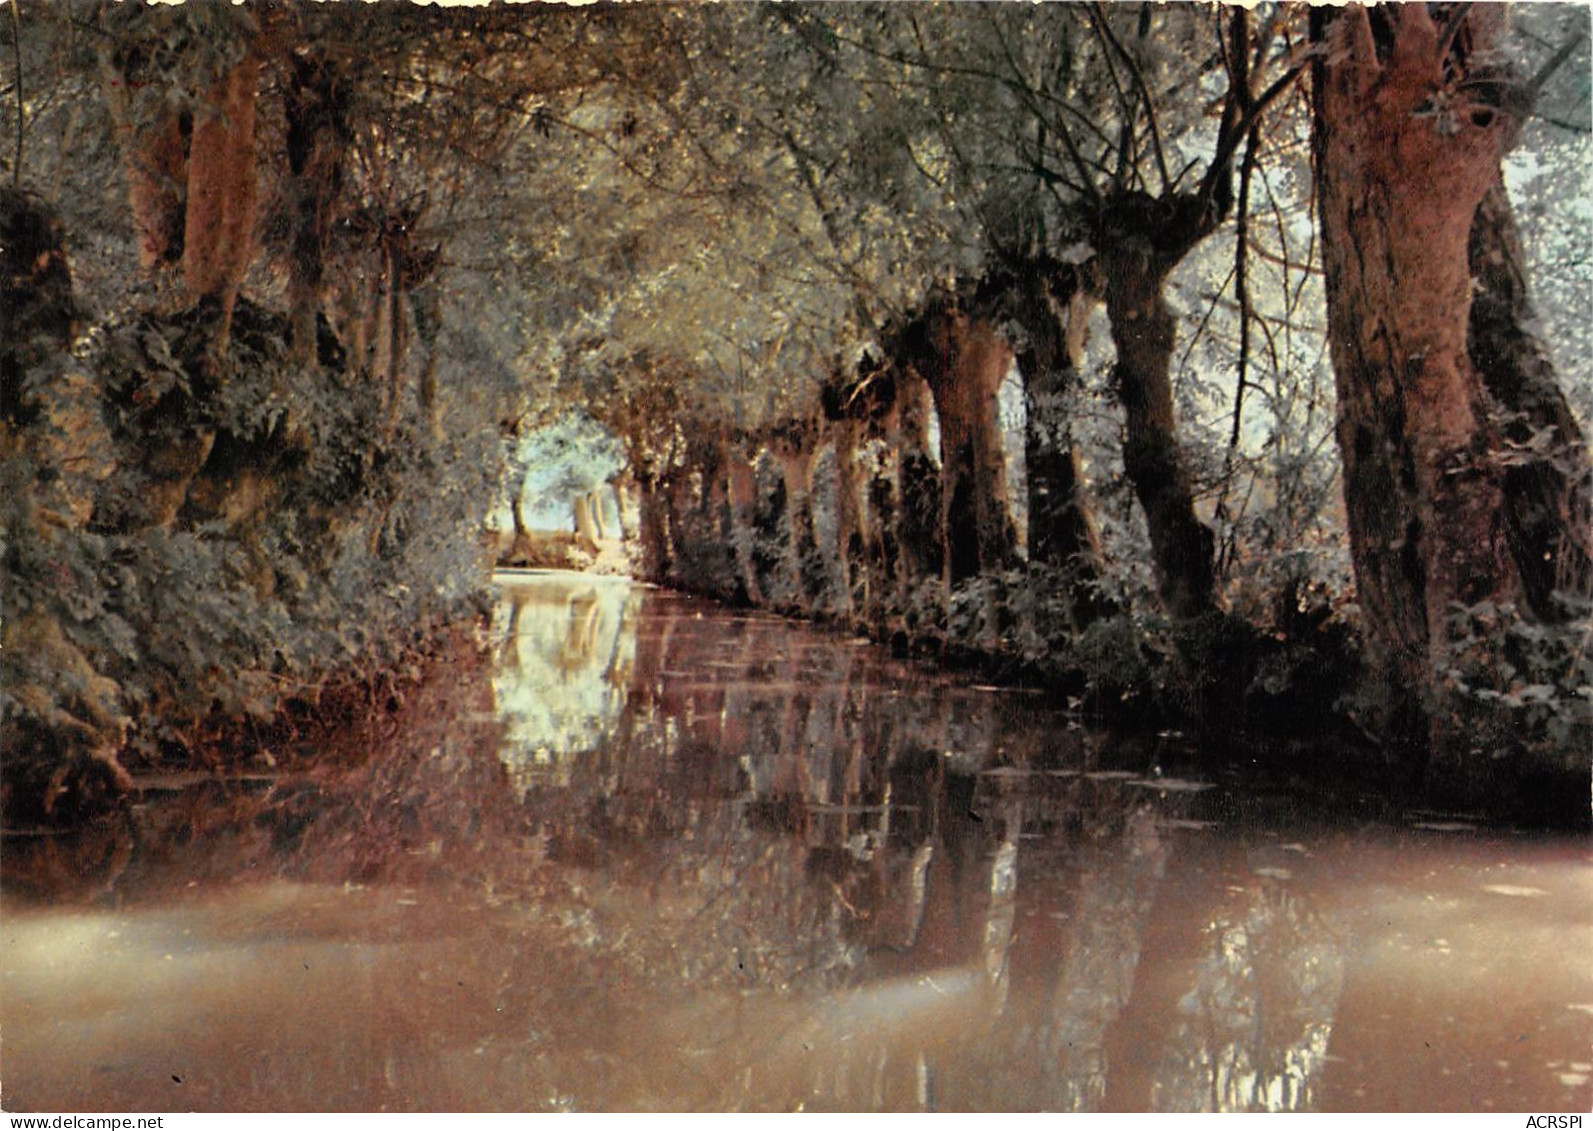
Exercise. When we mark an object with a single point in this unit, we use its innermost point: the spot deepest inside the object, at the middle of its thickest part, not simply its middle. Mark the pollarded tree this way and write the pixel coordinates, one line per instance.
(964, 360)
(1145, 220)
(1416, 105)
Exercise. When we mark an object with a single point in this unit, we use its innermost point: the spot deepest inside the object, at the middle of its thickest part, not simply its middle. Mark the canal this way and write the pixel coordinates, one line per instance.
(656, 854)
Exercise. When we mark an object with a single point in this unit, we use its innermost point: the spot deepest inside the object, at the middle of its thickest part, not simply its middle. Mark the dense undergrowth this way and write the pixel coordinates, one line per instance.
(192, 542)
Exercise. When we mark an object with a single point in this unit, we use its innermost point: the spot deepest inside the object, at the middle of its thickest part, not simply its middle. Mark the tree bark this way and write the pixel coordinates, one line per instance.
(522, 532)
(741, 492)
(1399, 184)
(1141, 250)
(155, 163)
(1054, 312)
(920, 551)
(585, 528)
(1547, 474)
(852, 522)
(626, 506)
(218, 233)
(795, 459)
(877, 468)
(964, 360)
(657, 558)
(317, 137)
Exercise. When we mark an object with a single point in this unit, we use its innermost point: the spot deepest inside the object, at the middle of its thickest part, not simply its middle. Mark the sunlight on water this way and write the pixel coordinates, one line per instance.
(656, 855)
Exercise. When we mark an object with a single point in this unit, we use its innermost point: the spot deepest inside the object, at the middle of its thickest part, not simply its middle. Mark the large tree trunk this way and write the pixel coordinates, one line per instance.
(964, 360)
(862, 410)
(317, 138)
(920, 552)
(1399, 183)
(1547, 476)
(794, 456)
(218, 234)
(1135, 262)
(1054, 312)
(741, 493)
(191, 181)
(155, 163)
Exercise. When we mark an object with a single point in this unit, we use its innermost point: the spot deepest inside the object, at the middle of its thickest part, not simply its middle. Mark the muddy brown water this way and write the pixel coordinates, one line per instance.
(661, 856)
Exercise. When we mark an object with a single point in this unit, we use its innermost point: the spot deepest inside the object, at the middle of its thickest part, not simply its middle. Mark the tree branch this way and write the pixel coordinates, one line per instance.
(1241, 263)
(1146, 98)
(1546, 71)
(16, 49)
(1457, 16)
(1086, 185)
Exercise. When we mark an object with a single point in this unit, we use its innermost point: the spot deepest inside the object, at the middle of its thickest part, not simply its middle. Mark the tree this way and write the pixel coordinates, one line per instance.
(964, 359)
(1413, 113)
(190, 151)
(1547, 475)
(1059, 136)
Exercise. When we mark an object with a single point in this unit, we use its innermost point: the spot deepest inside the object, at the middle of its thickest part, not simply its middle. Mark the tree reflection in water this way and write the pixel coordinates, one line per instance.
(657, 855)
(1252, 1034)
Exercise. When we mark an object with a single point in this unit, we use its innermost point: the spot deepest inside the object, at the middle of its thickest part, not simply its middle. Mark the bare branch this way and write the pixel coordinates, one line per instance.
(1546, 71)
(16, 48)
(1241, 281)
(1086, 185)
(1146, 97)
(1457, 16)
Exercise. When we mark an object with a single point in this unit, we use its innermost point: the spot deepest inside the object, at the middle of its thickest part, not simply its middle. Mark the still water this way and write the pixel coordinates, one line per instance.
(659, 855)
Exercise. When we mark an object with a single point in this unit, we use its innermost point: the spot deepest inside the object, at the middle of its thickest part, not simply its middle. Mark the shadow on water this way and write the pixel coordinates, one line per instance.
(656, 855)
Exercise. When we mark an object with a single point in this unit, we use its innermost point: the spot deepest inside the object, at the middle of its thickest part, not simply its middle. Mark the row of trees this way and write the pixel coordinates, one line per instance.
(1019, 169)
(791, 256)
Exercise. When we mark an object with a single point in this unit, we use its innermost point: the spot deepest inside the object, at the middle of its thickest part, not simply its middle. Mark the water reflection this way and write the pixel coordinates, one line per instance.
(659, 856)
(562, 672)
